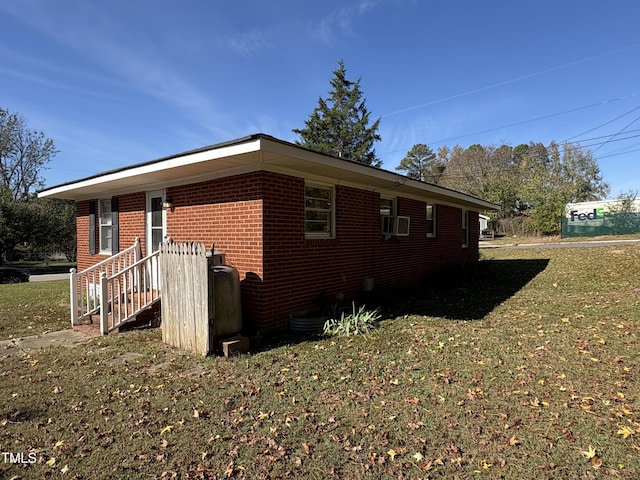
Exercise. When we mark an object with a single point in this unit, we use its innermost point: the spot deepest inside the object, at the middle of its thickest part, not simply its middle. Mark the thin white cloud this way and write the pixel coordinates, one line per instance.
(340, 22)
(250, 42)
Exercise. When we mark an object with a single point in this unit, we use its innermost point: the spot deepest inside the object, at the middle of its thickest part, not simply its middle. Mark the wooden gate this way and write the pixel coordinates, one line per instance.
(187, 297)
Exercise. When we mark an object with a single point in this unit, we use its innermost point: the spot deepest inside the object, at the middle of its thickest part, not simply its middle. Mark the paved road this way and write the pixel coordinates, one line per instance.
(48, 277)
(585, 244)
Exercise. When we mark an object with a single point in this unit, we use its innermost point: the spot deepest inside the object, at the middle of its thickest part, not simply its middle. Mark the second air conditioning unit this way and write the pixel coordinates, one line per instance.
(402, 226)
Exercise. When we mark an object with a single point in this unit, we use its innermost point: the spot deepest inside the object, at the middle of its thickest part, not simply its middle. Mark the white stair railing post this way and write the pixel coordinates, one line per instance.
(138, 249)
(104, 304)
(137, 256)
(73, 296)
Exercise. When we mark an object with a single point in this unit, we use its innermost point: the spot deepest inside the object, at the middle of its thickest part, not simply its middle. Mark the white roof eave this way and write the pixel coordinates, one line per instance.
(258, 152)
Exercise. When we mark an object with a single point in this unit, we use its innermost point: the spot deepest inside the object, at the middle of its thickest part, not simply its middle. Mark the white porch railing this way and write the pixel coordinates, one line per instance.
(118, 288)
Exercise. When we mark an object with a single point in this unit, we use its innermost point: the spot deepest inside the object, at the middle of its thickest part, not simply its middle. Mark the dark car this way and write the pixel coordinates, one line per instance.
(13, 275)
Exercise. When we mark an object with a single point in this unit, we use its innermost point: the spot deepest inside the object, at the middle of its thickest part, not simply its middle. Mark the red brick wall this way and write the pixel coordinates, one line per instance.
(228, 213)
(299, 271)
(82, 235)
(257, 219)
(132, 219)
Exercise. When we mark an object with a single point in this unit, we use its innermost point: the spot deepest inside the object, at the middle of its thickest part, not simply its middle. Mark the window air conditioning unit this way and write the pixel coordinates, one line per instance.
(395, 226)
(402, 226)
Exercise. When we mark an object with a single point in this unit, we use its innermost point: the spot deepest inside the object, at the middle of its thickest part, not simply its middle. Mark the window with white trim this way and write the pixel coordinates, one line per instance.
(431, 220)
(465, 228)
(106, 224)
(319, 211)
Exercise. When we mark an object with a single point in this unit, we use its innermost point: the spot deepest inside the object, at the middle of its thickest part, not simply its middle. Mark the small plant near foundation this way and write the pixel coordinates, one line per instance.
(358, 322)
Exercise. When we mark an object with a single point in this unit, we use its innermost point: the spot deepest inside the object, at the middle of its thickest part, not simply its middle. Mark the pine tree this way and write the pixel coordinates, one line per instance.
(422, 163)
(339, 125)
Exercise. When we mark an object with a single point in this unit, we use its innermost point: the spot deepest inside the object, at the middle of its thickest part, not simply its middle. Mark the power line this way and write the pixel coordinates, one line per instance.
(618, 153)
(551, 115)
(604, 124)
(611, 139)
(601, 136)
(507, 82)
(522, 122)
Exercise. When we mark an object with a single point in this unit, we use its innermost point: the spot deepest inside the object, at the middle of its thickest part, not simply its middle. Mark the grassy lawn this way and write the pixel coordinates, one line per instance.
(528, 369)
(33, 308)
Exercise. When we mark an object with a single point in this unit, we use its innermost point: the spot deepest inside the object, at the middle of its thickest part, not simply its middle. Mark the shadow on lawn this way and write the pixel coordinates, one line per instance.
(467, 295)
(463, 295)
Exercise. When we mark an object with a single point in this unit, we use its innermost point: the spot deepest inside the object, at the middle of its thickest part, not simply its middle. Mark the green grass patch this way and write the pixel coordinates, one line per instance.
(33, 308)
(526, 369)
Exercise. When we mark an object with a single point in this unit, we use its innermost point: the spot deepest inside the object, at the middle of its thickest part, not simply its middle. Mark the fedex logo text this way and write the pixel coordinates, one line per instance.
(596, 213)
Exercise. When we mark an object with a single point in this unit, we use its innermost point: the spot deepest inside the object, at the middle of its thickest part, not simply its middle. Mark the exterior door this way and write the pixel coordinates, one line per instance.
(156, 220)
(156, 231)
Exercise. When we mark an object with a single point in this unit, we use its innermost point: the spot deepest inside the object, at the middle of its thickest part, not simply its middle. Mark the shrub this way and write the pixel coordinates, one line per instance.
(356, 323)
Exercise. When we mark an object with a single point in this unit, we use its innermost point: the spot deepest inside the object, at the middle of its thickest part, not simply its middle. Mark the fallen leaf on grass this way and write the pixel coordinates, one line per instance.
(589, 454)
(229, 470)
(392, 453)
(166, 429)
(625, 432)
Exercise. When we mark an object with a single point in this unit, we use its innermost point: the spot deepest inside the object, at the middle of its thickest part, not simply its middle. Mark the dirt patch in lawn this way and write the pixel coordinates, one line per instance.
(60, 338)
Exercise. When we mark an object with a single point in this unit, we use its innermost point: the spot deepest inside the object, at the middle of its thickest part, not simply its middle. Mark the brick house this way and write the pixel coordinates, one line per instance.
(295, 223)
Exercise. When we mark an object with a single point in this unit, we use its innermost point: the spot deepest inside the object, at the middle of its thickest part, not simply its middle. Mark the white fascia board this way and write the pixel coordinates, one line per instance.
(155, 166)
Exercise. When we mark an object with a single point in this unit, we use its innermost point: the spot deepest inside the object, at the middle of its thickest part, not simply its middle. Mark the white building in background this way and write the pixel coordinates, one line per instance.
(484, 222)
(603, 217)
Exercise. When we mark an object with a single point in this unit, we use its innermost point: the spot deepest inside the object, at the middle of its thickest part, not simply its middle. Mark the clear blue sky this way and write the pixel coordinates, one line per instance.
(119, 82)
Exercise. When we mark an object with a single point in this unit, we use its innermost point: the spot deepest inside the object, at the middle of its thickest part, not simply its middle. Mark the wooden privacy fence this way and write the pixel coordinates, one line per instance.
(187, 297)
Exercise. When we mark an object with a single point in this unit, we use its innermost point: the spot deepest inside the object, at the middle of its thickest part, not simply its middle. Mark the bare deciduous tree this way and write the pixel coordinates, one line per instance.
(24, 153)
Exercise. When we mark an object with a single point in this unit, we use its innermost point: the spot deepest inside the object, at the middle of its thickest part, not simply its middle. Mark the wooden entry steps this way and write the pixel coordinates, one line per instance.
(121, 316)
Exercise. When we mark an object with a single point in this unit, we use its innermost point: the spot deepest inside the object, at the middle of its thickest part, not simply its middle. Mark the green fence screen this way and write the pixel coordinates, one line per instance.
(609, 224)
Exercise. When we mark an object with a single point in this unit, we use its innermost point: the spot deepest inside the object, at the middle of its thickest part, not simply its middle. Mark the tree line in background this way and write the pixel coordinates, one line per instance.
(29, 224)
(531, 183)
